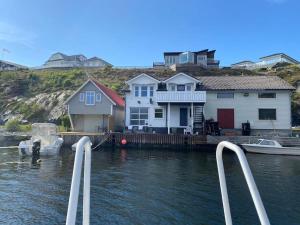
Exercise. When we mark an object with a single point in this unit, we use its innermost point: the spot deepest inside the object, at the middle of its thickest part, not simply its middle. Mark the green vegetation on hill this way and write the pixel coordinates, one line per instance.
(29, 83)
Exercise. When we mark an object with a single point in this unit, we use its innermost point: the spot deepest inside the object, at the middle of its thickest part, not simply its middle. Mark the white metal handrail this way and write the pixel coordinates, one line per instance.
(84, 145)
(264, 220)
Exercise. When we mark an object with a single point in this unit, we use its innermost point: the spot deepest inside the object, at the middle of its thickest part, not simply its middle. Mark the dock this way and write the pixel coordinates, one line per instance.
(138, 140)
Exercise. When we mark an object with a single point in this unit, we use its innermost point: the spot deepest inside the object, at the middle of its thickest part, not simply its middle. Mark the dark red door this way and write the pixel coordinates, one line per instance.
(226, 118)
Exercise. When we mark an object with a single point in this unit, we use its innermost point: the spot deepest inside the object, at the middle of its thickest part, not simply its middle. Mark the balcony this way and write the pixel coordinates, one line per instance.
(180, 96)
(213, 61)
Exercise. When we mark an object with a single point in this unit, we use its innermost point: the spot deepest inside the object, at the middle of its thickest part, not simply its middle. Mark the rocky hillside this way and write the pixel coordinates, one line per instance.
(39, 95)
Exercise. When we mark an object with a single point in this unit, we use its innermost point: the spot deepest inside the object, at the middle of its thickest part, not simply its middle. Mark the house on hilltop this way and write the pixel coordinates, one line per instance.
(265, 62)
(5, 65)
(196, 60)
(60, 60)
(95, 108)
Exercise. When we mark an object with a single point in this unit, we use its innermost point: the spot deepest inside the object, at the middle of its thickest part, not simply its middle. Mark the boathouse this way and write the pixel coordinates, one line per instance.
(181, 103)
(95, 108)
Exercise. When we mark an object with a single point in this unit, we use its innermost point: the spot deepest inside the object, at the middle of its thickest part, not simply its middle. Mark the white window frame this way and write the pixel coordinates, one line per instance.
(151, 91)
(143, 91)
(188, 85)
(136, 91)
(81, 97)
(162, 112)
(98, 97)
(86, 97)
(139, 114)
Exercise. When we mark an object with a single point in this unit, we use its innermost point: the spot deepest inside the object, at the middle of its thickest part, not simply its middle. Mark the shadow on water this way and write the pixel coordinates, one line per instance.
(147, 187)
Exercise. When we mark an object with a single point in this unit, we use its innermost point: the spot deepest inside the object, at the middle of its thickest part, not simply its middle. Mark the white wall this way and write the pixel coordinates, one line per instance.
(246, 108)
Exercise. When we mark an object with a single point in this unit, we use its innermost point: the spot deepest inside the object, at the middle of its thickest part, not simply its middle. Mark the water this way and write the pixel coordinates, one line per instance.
(148, 187)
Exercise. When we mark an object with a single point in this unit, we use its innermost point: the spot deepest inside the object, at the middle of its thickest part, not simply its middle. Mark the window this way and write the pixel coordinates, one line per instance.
(98, 97)
(172, 87)
(225, 95)
(144, 90)
(267, 114)
(189, 87)
(90, 98)
(136, 91)
(151, 91)
(267, 95)
(138, 116)
(158, 113)
(267, 142)
(81, 97)
(180, 87)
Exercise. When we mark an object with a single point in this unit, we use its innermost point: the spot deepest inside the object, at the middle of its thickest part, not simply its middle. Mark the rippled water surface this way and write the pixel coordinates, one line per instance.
(148, 187)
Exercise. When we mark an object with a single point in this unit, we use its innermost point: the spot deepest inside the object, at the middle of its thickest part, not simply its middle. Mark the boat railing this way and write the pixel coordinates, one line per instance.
(264, 220)
(83, 146)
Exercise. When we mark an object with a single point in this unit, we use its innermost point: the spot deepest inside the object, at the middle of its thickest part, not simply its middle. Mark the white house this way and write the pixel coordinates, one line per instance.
(181, 102)
(168, 106)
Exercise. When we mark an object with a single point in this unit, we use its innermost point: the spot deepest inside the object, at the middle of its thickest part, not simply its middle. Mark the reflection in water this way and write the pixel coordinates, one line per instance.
(148, 187)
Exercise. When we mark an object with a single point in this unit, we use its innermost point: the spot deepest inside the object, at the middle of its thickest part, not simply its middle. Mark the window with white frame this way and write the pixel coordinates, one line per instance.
(267, 114)
(144, 90)
(151, 91)
(188, 87)
(225, 95)
(172, 87)
(90, 97)
(98, 97)
(138, 116)
(136, 91)
(267, 95)
(180, 87)
(81, 97)
(158, 113)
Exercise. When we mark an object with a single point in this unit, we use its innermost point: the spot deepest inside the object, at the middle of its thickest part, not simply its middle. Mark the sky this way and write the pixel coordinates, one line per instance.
(137, 32)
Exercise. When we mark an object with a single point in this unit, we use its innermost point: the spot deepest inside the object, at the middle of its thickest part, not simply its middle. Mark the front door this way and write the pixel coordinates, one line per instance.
(226, 118)
(183, 117)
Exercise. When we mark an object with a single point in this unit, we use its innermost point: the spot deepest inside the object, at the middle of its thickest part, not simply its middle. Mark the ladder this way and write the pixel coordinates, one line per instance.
(260, 209)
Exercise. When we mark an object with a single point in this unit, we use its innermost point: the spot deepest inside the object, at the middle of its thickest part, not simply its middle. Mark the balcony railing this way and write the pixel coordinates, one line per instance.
(180, 96)
(213, 61)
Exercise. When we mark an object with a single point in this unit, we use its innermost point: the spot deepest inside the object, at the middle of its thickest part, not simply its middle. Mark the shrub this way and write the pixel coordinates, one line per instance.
(13, 125)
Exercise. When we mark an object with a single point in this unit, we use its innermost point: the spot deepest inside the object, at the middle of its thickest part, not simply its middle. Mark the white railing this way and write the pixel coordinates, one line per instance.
(181, 96)
(249, 179)
(84, 145)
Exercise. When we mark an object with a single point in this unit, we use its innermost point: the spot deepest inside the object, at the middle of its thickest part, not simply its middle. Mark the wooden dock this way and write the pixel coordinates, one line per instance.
(136, 140)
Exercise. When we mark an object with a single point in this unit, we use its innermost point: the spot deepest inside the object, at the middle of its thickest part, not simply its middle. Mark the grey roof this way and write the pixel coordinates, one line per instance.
(13, 64)
(245, 83)
(242, 62)
(280, 54)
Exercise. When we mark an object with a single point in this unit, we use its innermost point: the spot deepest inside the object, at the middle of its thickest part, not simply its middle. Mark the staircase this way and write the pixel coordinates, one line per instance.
(198, 119)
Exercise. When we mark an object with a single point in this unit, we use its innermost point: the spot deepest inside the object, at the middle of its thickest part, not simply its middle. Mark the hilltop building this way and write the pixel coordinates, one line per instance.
(5, 65)
(181, 103)
(60, 60)
(196, 60)
(265, 62)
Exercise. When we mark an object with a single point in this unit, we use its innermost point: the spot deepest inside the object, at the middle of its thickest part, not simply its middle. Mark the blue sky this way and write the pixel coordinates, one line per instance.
(136, 32)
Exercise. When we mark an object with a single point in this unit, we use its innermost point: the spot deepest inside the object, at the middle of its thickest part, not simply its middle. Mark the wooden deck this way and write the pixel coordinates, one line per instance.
(137, 139)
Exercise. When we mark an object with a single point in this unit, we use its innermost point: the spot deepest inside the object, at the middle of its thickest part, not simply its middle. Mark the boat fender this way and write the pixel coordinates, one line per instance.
(123, 141)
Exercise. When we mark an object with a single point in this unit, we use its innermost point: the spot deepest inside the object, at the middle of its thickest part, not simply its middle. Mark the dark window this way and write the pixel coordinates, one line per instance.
(151, 90)
(267, 114)
(180, 87)
(225, 95)
(267, 95)
(136, 91)
(158, 113)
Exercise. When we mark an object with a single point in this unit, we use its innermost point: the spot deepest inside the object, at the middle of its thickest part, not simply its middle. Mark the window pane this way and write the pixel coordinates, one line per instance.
(144, 91)
(180, 87)
(144, 110)
(134, 122)
(225, 95)
(158, 113)
(267, 114)
(188, 87)
(134, 116)
(81, 97)
(134, 110)
(136, 91)
(151, 91)
(144, 116)
(267, 95)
